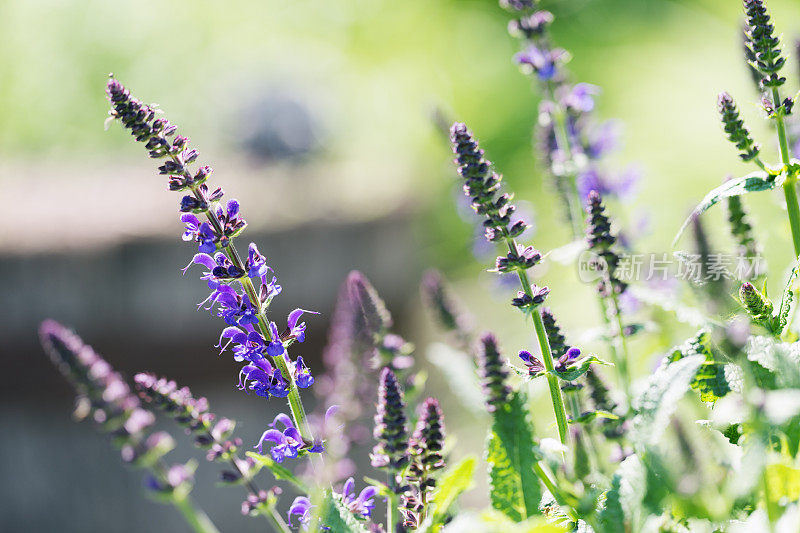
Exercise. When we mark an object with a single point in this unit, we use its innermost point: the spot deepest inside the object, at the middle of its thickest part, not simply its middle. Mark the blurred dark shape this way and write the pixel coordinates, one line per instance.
(278, 127)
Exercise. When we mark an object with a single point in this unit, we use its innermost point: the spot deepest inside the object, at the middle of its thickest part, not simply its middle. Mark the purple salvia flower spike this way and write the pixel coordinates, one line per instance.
(242, 303)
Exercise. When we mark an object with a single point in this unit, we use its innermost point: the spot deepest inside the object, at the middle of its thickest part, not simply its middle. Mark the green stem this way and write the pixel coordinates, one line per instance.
(552, 380)
(573, 400)
(392, 500)
(783, 141)
(295, 402)
(277, 520)
(547, 354)
(793, 210)
(554, 490)
(273, 515)
(563, 143)
(789, 185)
(623, 358)
(196, 518)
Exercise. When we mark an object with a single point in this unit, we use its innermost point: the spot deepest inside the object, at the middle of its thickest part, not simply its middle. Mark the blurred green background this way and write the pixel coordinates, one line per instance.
(323, 119)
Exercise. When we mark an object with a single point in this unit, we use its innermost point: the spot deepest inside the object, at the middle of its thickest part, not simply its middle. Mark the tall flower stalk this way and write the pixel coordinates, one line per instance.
(391, 433)
(767, 60)
(572, 143)
(482, 186)
(600, 241)
(257, 339)
(425, 453)
(106, 396)
(212, 435)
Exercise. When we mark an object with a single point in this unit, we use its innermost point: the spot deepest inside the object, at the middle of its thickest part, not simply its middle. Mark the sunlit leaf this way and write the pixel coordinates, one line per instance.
(337, 517)
(622, 509)
(711, 379)
(782, 483)
(659, 399)
(510, 455)
(452, 483)
(279, 471)
(755, 182)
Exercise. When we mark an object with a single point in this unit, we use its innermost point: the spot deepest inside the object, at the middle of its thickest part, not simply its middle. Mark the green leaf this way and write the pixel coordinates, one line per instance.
(780, 359)
(573, 372)
(453, 482)
(494, 522)
(458, 368)
(592, 415)
(783, 483)
(623, 501)
(655, 405)
(667, 302)
(337, 517)
(755, 182)
(510, 455)
(279, 471)
(711, 380)
(786, 300)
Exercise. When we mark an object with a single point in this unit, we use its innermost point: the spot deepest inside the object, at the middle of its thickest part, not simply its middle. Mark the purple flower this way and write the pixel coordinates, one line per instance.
(275, 347)
(537, 297)
(623, 186)
(199, 232)
(219, 268)
(603, 139)
(301, 506)
(232, 307)
(285, 443)
(293, 329)
(232, 224)
(361, 505)
(302, 373)
(232, 210)
(256, 263)
(581, 97)
(589, 180)
(249, 344)
(565, 360)
(532, 363)
(269, 290)
(263, 379)
(541, 61)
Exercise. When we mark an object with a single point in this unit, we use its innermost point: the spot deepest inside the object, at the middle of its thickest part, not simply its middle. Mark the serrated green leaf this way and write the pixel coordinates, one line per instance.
(453, 482)
(622, 510)
(780, 359)
(711, 380)
(786, 300)
(279, 471)
(754, 182)
(659, 399)
(505, 493)
(510, 455)
(337, 517)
